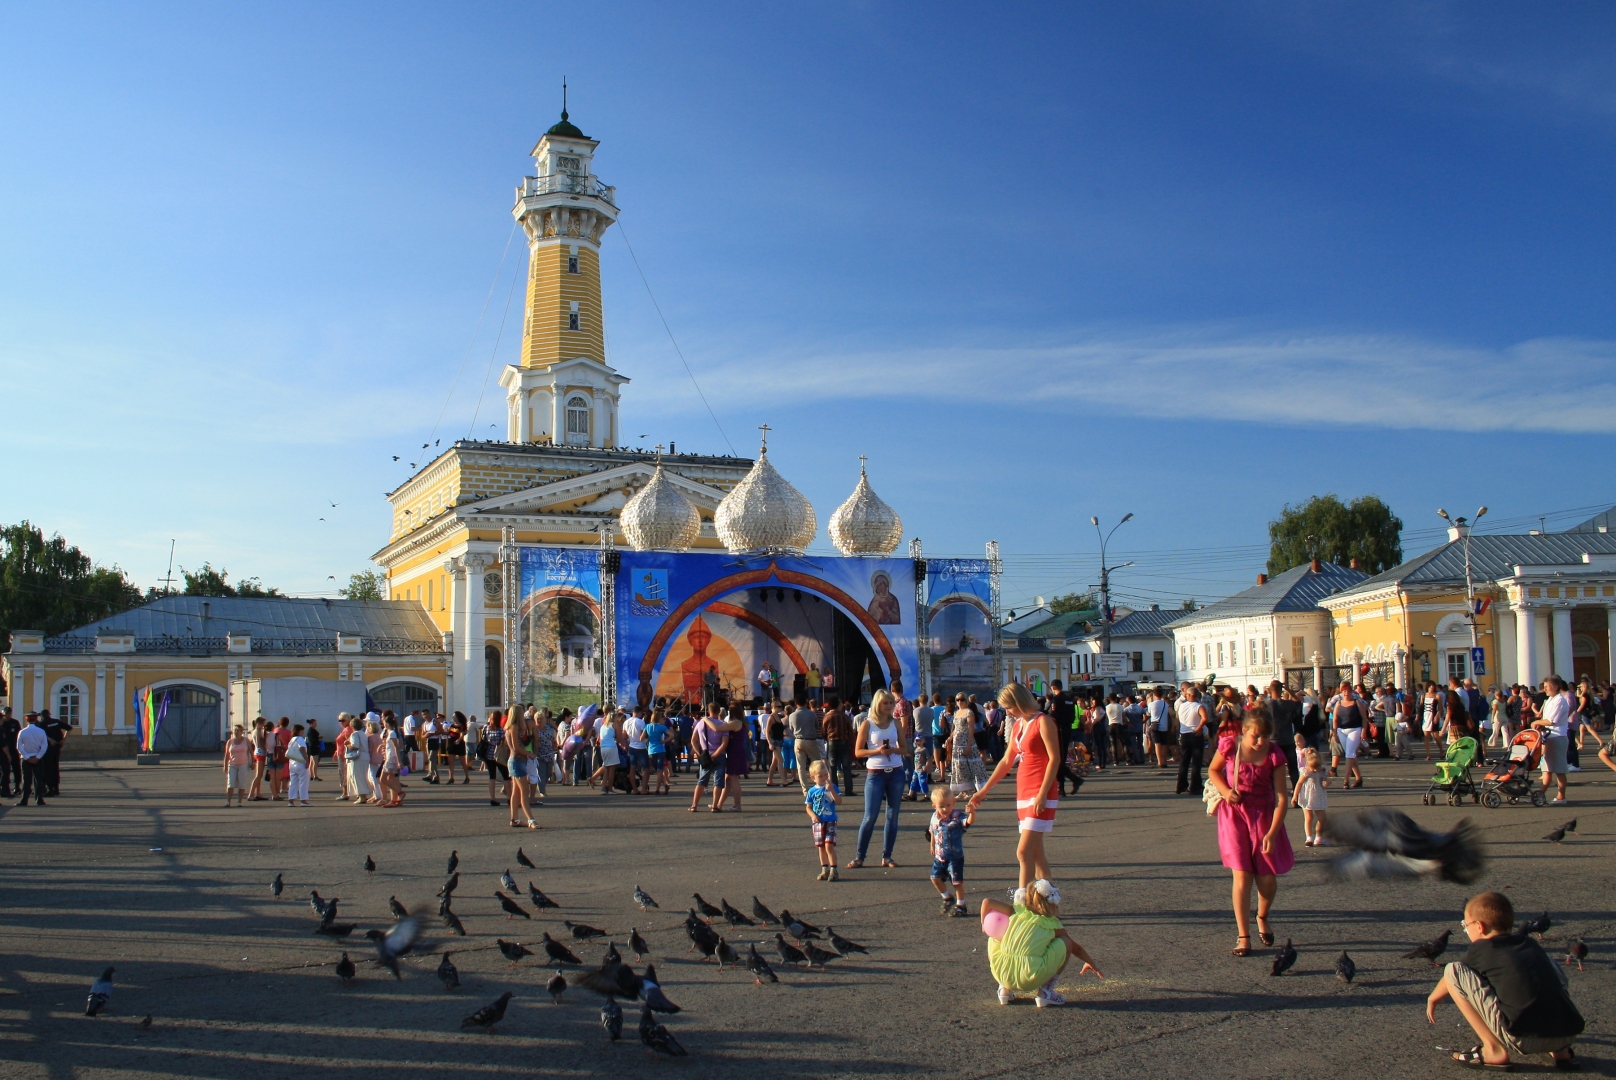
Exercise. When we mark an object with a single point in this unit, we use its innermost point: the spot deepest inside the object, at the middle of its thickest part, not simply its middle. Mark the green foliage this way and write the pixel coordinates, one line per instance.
(52, 587)
(210, 582)
(1364, 529)
(1076, 601)
(365, 585)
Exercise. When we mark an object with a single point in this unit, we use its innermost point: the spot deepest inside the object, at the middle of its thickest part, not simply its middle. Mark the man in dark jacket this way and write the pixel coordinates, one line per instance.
(1287, 716)
(1064, 713)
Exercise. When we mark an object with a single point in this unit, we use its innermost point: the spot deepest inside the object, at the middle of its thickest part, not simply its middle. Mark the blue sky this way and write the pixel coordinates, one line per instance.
(1189, 261)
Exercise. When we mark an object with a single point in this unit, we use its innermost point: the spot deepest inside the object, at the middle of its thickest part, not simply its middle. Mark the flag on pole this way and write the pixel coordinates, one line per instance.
(1481, 605)
(149, 714)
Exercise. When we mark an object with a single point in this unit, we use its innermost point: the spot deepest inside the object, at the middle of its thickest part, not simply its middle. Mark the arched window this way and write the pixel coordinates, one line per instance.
(492, 681)
(577, 421)
(69, 704)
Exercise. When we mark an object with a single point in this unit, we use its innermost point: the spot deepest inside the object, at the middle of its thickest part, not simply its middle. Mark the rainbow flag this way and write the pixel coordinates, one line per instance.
(149, 714)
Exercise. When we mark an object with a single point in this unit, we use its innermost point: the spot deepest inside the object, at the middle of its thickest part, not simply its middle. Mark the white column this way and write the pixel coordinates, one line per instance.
(98, 721)
(40, 705)
(1610, 640)
(474, 672)
(1400, 668)
(523, 419)
(1542, 646)
(1525, 645)
(1506, 668)
(119, 724)
(1563, 663)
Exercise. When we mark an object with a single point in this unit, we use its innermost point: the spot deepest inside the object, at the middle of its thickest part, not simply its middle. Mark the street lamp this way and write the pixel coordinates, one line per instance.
(1105, 586)
(1470, 585)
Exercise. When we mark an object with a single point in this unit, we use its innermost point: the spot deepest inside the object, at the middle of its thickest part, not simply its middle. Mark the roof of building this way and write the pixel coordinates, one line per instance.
(566, 129)
(1059, 626)
(277, 623)
(1491, 557)
(1598, 523)
(1148, 623)
(1297, 589)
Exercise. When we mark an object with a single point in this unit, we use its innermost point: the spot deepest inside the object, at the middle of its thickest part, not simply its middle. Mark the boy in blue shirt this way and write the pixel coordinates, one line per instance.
(947, 832)
(821, 803)
(656, 742)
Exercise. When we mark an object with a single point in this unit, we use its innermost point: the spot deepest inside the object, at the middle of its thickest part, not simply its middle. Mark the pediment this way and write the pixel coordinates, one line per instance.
(596, 492)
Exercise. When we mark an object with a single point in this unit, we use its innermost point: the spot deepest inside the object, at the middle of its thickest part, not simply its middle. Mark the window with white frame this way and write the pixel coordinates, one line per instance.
(572, 263)
(1234, 653)
(69, 704)
(1457, 664)
(1298, 650)
(1220, 654)
(1265, 650)
(1253, 652)
(1209, 653)
(577, 420)
(1159, 658)
(573, 318)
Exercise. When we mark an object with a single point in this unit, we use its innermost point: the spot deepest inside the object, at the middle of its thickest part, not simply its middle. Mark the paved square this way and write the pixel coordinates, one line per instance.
(238, 986)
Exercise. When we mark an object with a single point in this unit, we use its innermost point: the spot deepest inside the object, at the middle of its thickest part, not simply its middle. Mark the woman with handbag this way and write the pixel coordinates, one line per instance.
(1253, 786)
(493, 752)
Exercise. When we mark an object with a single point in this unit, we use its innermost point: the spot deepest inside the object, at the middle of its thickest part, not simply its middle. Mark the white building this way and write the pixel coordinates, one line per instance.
(1138, 635)
(1250, 637)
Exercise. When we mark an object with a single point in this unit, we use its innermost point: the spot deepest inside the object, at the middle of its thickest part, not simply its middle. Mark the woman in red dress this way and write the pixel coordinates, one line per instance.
(1035, 744)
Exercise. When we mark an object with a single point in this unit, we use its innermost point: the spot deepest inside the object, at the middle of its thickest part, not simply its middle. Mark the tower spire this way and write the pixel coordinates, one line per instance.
(563, 97)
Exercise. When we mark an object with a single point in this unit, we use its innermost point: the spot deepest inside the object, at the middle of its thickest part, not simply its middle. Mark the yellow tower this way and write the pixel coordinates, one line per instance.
(562, 391)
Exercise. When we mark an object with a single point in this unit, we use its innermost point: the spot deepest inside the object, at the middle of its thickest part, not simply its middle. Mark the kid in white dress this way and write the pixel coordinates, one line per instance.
(1311, 797)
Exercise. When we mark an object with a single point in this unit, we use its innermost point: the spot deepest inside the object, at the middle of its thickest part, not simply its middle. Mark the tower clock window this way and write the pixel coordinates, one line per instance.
(572, 264)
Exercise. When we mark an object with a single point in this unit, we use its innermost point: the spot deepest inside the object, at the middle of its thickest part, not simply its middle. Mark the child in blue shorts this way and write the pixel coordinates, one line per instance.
(947, 831)
(821, 803)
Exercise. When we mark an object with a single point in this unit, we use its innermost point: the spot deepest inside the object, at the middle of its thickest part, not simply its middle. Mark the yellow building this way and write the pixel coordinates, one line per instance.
(1545, 601)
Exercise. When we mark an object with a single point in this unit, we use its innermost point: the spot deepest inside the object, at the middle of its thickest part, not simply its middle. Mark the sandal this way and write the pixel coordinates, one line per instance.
(1472, 1059)
(888, 863)
(1241, 950)
(856, 864)
(1264, 936)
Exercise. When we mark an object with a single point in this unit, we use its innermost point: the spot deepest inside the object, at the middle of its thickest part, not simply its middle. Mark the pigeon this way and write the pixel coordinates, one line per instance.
(819, 956)
(759, 967)
(513, 950)
(656, 1036)
(1556, 836)
(1538, 926)
(452, 921)
(583, 931)
(789, 953)
(797, 928)
(1389, 844)
(454, 861)
(733, 917)
(557, 986)
(145, 1022)
(707, 909)
(523, 860)
(727, 955)
(540, 901)
(1285, 960)
(397, 942)
(316, 903)
(611, 1018)
(707, 945)
(275, 886)
(651, 992)
(763, 914)
(612, 955)
(1570, 826)
(450, 886)
(1345, 969)
(613, 980)
(370, 865)
(1431, 949)
(643, 899)
(1576, 952)
(345, 969)
(100, 993)
(443, 905)
(637, 944)
(559, 953)
(447, 975)
(329, 915)
(399, 910)
(336, 929)
(489, 1015)
(512, 908)
(506, 880)
(842, 945)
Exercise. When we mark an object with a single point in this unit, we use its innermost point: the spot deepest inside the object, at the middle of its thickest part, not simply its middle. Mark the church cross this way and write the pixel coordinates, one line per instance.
(765, 429)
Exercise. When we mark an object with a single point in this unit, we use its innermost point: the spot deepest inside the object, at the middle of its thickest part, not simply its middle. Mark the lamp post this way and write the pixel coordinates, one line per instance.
(1105, 587)
(1470, 586)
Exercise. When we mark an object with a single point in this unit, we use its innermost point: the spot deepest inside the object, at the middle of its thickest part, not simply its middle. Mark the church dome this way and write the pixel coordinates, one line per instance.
(864, 525)
(659, 517)
(566, 129)
(765, 513)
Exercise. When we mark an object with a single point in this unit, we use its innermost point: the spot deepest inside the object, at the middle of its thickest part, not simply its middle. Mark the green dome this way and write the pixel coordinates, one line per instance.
(565, 129)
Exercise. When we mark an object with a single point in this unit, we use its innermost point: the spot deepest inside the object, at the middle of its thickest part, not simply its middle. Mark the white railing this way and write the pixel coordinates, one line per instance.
(566, 184)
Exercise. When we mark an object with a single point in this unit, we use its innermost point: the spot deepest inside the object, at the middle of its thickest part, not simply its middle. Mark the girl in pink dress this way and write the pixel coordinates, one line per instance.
(1249, 773)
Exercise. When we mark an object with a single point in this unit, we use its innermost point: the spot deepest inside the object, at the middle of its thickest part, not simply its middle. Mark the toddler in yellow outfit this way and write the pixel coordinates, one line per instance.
(1034, 947)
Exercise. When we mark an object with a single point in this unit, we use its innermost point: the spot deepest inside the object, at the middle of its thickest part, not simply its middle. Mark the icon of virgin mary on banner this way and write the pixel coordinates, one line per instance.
(883, 606)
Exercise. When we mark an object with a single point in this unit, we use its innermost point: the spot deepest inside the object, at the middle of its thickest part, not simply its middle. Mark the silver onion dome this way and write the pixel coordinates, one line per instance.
(864, 525)
(764, 513)
(659, 517)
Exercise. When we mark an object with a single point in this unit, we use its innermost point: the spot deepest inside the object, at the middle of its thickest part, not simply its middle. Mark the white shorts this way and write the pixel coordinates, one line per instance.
(1349, 738)
(1036, 824)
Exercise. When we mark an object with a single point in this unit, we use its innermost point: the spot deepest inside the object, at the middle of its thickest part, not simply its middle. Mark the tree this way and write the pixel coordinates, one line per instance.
(52, 587)
(1073, 601)
(1364, 529)
(365, 585)
(210, 582)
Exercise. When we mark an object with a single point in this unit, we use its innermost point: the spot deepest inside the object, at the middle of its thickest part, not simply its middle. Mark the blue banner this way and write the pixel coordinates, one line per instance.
(559, 608)
(959, 626)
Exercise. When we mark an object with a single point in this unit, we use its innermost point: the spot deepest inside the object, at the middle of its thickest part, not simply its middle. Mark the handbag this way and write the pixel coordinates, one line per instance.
(502, 752)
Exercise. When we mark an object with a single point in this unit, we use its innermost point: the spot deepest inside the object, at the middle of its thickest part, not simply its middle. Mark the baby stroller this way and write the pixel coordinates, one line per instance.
(1512, 778)
(1453, 774)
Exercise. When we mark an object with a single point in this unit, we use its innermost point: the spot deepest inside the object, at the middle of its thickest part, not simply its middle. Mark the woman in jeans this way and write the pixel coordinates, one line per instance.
(519, 737)
(879, 744)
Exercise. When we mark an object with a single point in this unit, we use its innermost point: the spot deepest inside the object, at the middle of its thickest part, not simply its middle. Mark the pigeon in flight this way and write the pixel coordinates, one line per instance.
(612, 980)
(1345, 969)
(345, 970)
(816, 955)
(583, 931)
(798, 929)
(454, 862)
(276, 886)
(612, 955)
(1389, 844)
(489, 1015)
(512, 908)
(759, 967)
(1576, 952)
(707, 909)
(513, 950)
(540, 901)
(651, 992)
(611, 1018)
(559, 953)
(1431, 949)
(726, 954)
(397, 942)
(842, 945)
(395, 457)
(733, 917)
(100, 993)
(447, 974)
(789, 953)
(452, 921)
(509, 882)
(370, 865)
(523, 860)
(1537, 927)
(1285, 960)
(637, 944)
(656, 1036)
(557, 986)
(643, 899)
(399, 910)
(763, 914)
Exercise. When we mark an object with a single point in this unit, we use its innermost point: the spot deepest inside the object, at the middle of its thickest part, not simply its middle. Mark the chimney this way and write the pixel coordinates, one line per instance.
(1262, 579)
(1352, 563)
(1316, 566)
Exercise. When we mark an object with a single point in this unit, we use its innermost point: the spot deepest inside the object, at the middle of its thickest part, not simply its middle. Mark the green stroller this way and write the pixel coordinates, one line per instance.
(1453, 774)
